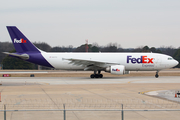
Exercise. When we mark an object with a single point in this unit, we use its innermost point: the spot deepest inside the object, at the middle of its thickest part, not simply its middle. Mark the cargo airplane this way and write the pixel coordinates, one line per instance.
(114, 63)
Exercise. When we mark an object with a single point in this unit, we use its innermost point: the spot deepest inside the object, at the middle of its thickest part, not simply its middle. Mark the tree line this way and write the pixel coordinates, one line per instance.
(15, 63)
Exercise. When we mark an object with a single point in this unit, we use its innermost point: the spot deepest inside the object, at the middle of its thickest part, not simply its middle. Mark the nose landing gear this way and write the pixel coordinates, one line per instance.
(157, 74)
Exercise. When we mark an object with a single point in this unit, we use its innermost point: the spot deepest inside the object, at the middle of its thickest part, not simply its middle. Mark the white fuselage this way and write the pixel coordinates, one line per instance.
(131, 61)
(114, 63)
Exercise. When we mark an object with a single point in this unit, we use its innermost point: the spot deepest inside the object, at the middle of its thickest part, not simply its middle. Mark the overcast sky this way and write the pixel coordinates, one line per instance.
(130, 23)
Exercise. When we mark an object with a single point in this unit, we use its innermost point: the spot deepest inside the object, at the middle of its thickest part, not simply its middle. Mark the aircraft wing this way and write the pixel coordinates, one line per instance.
(90, 64)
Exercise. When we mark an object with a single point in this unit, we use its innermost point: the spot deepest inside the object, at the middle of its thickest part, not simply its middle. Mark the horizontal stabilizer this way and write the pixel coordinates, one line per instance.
(22, 56)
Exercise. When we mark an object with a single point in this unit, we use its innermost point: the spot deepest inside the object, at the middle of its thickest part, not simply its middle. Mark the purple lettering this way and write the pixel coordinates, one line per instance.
(128, 58)
(133, 60)
(139, 60)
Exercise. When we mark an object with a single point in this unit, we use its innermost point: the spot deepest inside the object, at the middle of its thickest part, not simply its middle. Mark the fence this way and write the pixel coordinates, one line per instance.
(87, 109)
(61, 114)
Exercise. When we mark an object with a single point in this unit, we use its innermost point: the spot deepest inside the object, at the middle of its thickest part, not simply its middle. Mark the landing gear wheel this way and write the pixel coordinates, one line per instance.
(100, 76)
(96, 76)
(156, 75)
(92, 76)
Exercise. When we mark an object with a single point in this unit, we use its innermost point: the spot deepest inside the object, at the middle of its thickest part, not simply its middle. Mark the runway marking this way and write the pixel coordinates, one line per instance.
(147, 91)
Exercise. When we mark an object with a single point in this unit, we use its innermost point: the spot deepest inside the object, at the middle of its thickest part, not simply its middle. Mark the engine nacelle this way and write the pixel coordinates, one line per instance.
(117, 70)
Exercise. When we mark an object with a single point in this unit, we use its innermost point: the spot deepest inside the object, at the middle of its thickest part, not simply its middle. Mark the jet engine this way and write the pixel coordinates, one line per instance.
(117, 70)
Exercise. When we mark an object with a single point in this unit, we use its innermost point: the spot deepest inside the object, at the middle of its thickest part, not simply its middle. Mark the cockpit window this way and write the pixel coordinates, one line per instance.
(170, 58)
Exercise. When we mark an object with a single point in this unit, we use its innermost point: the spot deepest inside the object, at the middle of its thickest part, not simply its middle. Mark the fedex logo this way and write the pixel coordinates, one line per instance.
(19, 41)
(115, 69)
(142, 59)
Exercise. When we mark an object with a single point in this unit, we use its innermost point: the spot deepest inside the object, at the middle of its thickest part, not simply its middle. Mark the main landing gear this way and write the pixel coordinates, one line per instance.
(157, 74)
(99, 75)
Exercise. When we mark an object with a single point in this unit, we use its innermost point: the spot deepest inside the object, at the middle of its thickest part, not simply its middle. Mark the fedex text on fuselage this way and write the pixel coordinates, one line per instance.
(142, 59)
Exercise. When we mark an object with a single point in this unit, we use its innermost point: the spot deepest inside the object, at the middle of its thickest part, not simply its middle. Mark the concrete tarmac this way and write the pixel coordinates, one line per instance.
(33, 93)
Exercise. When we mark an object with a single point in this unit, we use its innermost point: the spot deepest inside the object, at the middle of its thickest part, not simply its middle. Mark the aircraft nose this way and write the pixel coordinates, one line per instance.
(175, 62)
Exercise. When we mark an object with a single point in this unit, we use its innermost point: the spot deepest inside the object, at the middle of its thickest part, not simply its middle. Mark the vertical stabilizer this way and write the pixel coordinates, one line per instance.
(21, 43)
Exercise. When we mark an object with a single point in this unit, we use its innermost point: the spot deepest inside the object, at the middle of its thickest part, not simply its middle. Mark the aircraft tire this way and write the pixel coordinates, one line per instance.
(92, 76)
(96, 76)
(156, 75)
(100, 76)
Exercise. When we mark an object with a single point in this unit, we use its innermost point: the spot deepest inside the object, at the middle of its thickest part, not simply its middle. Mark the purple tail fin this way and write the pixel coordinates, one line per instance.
(21, 43)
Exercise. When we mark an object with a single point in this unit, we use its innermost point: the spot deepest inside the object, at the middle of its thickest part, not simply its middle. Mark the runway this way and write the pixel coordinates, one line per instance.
(11, 81)
(86, 93)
